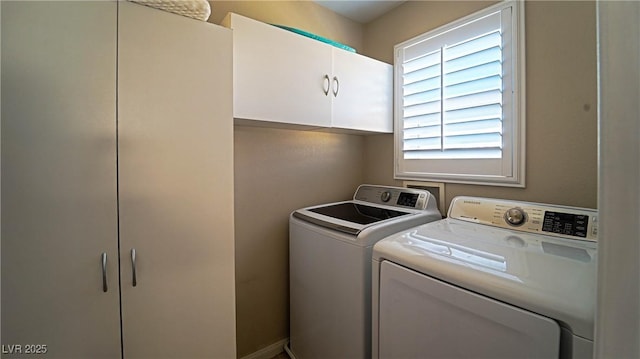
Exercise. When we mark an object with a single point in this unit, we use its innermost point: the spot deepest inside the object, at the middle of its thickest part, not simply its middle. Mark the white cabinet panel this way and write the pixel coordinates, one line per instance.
(59, 204)
(279, 76)
(176, 186)
(363, 93)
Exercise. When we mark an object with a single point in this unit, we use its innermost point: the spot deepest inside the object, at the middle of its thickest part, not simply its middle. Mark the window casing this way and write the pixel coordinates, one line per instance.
(459, 101)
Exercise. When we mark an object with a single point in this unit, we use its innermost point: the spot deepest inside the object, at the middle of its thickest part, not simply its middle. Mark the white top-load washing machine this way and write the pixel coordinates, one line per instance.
(330, 248)
(496, 279)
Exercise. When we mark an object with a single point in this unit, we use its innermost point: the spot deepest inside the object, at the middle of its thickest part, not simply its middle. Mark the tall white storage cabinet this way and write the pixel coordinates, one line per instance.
(116, 139)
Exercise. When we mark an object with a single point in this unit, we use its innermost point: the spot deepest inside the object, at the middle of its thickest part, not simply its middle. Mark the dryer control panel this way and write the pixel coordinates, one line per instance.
(396, 197)
(539, 218)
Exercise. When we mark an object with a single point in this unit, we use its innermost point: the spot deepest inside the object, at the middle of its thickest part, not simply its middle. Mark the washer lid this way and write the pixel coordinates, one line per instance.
(551, 276)
(358, 213)
(350, 216)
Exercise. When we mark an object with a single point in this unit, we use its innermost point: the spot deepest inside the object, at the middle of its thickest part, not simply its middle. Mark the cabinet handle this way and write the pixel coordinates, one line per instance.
(103, 258)
(328, 82)
(336, 88)
(133, 266)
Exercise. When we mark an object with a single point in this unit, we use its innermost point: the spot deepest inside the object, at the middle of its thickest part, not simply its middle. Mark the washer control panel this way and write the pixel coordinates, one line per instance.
(560, 221)
(395, 196)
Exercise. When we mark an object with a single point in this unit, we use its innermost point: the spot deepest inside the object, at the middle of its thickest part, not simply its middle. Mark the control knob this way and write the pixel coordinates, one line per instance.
(385, 196)
(515, 216)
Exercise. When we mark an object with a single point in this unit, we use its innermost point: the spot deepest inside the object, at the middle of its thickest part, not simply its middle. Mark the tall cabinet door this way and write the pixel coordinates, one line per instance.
(59, 204)
(175, 140)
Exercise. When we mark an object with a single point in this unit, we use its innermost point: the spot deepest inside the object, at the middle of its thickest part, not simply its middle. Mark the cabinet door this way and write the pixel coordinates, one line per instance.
(175, 141)
(362, 93)
(59, 211)
(279, 76)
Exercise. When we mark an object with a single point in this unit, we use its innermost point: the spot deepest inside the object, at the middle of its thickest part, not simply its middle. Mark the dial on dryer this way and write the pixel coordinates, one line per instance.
(515, 216)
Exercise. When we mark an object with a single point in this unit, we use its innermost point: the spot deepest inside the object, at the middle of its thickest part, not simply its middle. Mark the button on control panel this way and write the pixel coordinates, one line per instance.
(561, 221)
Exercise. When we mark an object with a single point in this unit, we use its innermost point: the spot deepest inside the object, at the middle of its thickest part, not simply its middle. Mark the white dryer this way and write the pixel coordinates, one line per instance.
(496, 279)
(330, 249)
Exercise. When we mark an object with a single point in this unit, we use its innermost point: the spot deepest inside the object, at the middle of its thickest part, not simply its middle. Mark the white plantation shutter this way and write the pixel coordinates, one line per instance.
(457, 114)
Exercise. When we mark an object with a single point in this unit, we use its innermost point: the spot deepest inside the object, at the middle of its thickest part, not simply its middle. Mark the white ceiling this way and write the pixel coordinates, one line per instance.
(361, 11)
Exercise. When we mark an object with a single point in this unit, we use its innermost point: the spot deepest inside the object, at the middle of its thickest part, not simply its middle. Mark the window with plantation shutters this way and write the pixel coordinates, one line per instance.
(459, 101)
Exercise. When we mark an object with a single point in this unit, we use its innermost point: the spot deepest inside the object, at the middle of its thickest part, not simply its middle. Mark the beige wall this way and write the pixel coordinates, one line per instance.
(561, 159)
(278, 171)
(412, 19)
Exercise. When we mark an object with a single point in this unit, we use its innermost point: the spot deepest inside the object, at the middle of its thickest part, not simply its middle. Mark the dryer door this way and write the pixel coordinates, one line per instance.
(422, 317)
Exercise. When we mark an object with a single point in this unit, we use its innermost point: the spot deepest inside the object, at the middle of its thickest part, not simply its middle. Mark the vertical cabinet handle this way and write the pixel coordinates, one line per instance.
(103, 259)
(326, 88)
(336, 88)
(133, 266)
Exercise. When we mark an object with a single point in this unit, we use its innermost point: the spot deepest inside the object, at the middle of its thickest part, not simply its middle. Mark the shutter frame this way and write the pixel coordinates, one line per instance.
(497, 155)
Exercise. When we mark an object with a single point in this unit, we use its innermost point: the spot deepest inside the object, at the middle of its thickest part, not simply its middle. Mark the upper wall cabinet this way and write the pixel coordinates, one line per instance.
(284, 78)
